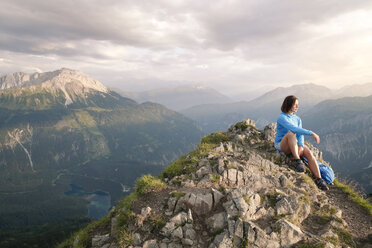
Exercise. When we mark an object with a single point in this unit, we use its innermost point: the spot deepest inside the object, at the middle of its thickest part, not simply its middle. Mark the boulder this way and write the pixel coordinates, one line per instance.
(239, 228)
(150, 244)
(232, 176)
(258, 238)
(217, 196)
(175, 245)
(168, 229)
(283, 181)
(217, 222)
(289, 233)
(100, 240)
(205, 170)
(187, 242)
(163, 245)
(287, 205)
(204, 162)
(270, 132)
(231, 226)
(222, 241)
(171, 204)
(179, 219)
(201, 204)
(189, 232)
(221, 165)
(250, 122)
(241, 205)
(145, 212)
(177, 233)
(230, 209)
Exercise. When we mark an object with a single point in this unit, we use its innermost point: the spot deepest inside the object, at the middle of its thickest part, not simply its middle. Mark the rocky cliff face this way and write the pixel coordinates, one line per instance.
(52, 79)
(69, 82)
(234, 190)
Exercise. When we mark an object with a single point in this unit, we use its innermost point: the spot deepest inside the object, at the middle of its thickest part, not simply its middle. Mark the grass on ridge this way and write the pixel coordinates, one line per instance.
(354, 196)
(188, 163)
(84, 238)
(148, 183)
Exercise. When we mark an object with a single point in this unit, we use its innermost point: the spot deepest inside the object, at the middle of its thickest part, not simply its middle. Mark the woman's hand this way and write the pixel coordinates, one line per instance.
(316, 138)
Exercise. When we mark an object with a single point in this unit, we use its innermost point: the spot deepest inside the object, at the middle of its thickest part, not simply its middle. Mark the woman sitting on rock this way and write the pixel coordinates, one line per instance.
(290, 139)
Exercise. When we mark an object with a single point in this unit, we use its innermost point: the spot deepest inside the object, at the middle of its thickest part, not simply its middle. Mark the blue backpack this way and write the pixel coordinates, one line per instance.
(326, 172)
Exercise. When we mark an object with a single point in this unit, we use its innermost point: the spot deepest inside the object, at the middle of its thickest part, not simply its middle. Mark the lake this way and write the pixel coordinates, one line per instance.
(99, 201)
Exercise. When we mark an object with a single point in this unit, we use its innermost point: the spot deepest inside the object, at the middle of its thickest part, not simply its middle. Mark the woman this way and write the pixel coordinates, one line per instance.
(290, 139)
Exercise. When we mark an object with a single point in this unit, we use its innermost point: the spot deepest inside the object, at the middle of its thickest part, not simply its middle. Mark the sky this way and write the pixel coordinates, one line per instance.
(229, 45)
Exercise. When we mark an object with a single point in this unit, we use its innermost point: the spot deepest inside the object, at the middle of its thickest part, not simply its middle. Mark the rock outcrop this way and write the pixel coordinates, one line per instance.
(234, 190)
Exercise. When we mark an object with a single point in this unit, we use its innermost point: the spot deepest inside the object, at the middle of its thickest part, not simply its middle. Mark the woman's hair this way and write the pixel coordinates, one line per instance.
(288, 103)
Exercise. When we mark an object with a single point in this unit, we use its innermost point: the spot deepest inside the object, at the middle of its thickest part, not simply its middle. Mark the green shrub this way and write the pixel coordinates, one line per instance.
(344, 236)
(126, 238)
(247, 199)
(242, 125)
(84, 239)
(158, 223)
(215, 138)
(148, 183)
(215, 178)
(123, 210)
(178, 195)
(176, 168)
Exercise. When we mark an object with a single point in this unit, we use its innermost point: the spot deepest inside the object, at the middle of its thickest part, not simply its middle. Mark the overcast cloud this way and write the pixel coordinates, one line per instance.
(232, 46)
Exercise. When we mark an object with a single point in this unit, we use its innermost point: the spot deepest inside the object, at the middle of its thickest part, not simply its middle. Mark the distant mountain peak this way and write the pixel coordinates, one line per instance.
(67, 80)
(181, 97)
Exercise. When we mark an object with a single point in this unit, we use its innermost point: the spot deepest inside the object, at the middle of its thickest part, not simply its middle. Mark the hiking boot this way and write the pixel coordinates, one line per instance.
(299, 166)
(321, 184)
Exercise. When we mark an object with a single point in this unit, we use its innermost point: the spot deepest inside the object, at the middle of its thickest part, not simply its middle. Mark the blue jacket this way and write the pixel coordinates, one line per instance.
(290, 122)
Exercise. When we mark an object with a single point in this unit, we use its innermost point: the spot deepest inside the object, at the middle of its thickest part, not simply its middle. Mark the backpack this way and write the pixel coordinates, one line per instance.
(326, 171)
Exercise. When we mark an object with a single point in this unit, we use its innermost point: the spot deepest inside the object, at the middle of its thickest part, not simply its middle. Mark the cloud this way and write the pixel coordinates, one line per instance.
(223, 44)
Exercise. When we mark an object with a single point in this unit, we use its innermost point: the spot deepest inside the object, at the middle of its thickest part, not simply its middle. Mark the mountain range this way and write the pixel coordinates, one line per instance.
(70, 147)
(178, 98)
(263, 109)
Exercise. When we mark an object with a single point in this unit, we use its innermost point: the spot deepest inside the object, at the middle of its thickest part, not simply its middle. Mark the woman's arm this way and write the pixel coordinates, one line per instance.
(286, 123)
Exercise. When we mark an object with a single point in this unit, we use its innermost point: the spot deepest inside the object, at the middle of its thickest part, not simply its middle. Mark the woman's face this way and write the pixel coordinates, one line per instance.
(294, 107)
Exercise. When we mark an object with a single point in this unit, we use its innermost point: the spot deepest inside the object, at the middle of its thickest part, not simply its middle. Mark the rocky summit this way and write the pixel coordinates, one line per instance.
(234, 190)
(70, 82)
